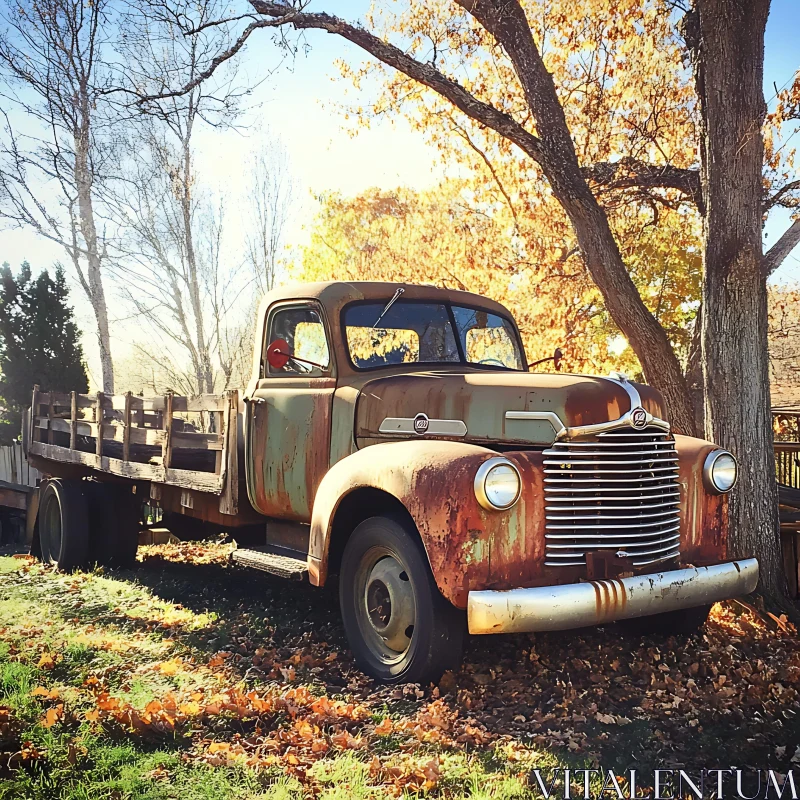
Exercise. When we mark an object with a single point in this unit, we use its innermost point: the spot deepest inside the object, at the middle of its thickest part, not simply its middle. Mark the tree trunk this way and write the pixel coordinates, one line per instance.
(205, 375)
(554, 150)
(94, 277)
(621, 297)
(558, 159)
(727, 38)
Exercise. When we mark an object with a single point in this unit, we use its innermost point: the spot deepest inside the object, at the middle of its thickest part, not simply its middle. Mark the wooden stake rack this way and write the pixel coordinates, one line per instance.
(141, 438)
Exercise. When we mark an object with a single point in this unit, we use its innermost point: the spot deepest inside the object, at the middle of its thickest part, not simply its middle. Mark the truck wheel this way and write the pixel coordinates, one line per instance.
(113, 525)
(399, 626)
(63, 524)
(683, 622)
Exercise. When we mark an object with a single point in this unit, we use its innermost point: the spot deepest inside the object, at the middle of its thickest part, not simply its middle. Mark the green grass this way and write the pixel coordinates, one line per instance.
(76, 635)
(8, 565)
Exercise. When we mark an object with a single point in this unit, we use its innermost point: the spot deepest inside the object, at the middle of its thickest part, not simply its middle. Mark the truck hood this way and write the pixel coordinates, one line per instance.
(473, 406)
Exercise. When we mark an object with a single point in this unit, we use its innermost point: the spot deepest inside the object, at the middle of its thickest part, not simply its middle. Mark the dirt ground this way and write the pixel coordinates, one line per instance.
(200, 668)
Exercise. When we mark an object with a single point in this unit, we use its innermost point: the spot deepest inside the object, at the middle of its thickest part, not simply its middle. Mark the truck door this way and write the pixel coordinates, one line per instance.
(289, 416)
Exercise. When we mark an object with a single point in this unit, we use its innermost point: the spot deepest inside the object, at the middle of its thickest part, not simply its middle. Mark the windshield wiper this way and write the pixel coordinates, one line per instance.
(394, 299)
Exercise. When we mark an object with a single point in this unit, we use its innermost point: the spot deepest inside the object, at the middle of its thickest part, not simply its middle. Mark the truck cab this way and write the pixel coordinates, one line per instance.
(396, 439)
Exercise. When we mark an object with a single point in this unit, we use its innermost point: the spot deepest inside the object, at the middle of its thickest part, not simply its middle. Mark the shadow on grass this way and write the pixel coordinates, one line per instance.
(644, 701)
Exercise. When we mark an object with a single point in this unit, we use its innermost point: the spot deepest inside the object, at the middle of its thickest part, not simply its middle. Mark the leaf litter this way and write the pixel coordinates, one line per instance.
(254, 672)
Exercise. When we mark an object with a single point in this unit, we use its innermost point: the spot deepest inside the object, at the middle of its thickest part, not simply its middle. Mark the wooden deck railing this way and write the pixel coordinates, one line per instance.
(787, 463)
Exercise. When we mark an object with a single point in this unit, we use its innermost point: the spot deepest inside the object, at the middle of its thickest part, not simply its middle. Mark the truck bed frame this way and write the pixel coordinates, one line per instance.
(141, 439)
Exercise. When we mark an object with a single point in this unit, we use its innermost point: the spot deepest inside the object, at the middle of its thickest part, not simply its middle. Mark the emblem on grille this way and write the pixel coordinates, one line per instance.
(638, 418)
(421, 423)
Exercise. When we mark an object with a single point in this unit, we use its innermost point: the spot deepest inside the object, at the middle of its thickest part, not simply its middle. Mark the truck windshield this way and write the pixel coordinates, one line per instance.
(429, 333)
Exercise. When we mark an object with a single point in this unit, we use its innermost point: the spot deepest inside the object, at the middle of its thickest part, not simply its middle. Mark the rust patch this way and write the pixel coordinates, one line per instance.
(703, 516)
(611, 599)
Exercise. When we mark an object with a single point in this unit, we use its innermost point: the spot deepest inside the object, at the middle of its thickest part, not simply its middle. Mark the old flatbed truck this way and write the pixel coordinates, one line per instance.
(393, 436)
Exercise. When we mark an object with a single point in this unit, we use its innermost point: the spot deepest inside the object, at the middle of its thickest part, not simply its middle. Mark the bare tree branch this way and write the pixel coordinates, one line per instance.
(778, 198)
(426, 74)
(632, 172)
(779, 251)
(215, 63)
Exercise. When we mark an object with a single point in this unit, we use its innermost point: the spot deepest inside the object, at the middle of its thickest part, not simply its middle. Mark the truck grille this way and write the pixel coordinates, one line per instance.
(617, 492)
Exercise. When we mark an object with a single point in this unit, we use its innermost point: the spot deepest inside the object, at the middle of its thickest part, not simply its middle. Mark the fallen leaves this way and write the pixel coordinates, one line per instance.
(234, 687)
(187, 552)
(47, 694)
(10, 728)
(53, 715)
(47, 661)
(384, 728)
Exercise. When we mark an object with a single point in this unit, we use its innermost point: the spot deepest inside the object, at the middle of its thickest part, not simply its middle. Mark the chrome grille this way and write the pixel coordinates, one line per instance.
(617, 491)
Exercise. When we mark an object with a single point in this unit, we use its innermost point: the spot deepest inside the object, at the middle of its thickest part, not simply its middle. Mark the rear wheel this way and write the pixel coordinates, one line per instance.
(114, 522)
(399, 626)
(63, 524)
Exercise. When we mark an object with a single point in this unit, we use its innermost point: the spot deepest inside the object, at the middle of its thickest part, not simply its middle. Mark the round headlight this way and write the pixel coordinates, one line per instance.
(497, 484)
(720, 471)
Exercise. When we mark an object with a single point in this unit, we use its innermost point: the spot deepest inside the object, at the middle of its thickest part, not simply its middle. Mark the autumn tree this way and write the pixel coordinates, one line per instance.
(507, 85)
(463, 234)
(784, 344)
(54, 72)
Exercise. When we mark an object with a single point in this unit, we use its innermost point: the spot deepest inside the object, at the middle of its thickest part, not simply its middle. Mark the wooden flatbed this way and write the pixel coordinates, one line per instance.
(186, 448)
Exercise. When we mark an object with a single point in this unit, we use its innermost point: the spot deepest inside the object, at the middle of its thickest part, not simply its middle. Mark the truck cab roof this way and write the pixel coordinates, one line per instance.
(335, 295)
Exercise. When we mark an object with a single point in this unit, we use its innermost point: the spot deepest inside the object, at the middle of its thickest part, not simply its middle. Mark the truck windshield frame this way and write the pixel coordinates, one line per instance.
(429, 333)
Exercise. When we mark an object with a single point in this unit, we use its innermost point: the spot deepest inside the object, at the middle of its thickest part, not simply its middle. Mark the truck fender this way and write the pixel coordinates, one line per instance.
(434, 482)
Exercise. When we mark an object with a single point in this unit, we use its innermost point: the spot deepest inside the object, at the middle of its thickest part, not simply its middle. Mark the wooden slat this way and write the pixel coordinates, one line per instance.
(34, 412)
(14, 498)
(50, 414)
(166, 451)
(185, 478)
(229, 472)
(64, 399)
(187, 440)
(180, 404)
(73, 421)
(126, 433)
(98, 418)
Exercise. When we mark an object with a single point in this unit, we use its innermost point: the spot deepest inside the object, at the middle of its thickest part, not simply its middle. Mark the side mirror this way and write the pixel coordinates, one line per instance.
(278, 353)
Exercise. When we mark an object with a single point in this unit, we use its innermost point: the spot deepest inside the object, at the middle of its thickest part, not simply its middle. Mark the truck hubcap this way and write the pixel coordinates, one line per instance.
(387, 609)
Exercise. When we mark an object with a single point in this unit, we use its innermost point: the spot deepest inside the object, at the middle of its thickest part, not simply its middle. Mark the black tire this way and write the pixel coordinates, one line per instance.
(63, 524)
(114, 522)
(389, 547)
(671, 623)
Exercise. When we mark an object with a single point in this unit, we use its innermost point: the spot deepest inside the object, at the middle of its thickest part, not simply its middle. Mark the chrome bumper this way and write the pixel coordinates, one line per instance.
(576, 605)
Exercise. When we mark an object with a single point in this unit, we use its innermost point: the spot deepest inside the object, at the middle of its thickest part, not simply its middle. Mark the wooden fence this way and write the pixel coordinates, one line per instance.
(14, 467)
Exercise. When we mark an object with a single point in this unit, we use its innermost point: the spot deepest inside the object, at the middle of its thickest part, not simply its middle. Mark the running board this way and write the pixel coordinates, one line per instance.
(285, 566)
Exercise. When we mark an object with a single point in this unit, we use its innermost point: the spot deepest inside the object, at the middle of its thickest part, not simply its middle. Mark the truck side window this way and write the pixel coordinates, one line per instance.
(302, 329)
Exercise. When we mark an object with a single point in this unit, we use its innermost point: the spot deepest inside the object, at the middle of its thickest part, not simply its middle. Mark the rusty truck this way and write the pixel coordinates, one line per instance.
(393, 437)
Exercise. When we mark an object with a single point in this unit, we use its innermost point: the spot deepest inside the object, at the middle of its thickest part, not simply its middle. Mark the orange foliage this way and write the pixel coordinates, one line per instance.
(459, 235)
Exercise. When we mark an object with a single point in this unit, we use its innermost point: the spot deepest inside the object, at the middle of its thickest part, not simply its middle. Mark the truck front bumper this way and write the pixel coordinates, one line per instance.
(576, 605)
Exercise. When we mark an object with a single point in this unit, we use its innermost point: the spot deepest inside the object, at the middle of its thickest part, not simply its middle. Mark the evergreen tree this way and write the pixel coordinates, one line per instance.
(39, 343)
